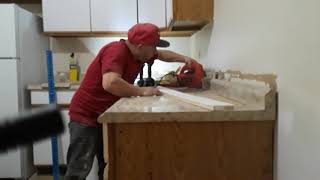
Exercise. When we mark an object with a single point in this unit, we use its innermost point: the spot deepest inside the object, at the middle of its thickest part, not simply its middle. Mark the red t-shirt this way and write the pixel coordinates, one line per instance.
(91, 100)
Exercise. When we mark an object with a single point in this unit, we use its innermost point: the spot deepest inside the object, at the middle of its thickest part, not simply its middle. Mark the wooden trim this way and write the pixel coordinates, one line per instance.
(188, 25)
(177, 33)
(111, 151)
(164, 33)
(191, 28)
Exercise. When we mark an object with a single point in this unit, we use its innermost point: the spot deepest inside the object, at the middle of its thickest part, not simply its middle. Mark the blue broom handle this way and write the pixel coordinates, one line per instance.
(52, 100)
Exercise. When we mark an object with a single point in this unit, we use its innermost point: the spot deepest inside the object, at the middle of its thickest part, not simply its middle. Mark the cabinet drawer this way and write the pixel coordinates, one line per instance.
(42, 97)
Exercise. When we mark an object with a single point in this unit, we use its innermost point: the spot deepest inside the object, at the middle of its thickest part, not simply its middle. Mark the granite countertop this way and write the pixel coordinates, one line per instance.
(252, 102)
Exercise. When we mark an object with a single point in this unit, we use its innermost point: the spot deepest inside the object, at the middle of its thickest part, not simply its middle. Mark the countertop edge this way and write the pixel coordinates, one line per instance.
(213, 116)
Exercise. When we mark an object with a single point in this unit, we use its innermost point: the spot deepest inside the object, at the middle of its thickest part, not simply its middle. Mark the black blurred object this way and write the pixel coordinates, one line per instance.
(141, 81)
(147, 81)
(150, 81)
(29, 127)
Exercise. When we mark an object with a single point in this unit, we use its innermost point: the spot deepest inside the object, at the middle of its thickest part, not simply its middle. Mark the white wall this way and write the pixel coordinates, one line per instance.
(86, 49)
(281, 37)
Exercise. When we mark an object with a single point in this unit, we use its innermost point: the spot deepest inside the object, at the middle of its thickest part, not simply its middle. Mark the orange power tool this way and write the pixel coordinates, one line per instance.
(191, 76)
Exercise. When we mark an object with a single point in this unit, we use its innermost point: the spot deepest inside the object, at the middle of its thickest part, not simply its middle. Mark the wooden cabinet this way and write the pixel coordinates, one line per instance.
(153, 12)
(113, 15)
(234, 150)
(189, 14)
(66, 15)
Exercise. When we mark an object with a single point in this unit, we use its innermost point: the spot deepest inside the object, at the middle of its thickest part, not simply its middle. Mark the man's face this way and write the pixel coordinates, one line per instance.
(146, 52)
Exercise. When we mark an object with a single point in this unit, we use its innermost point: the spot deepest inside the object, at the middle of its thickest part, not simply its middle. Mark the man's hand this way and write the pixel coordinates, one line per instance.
(114, 84)
(189, 61)
(150, 91)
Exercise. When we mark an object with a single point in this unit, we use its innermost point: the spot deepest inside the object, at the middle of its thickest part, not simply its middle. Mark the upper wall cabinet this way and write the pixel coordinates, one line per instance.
(113, 15)
(66, 15)
(189, 14)
(152, 11)
(103, 16)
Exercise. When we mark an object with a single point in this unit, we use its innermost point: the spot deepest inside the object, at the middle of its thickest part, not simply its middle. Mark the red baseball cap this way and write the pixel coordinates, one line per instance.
(146, 33)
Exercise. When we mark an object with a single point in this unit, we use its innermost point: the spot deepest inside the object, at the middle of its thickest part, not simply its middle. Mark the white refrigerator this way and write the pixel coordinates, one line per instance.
(22, 62)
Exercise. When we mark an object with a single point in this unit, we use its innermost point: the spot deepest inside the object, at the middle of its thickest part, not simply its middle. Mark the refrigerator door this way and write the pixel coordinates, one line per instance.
(9, 87)
(22, 62)
(10, 166)
(9, 30)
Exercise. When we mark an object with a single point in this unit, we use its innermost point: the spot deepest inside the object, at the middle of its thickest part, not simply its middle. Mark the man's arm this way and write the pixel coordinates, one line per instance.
(114, 84)
(169, 56)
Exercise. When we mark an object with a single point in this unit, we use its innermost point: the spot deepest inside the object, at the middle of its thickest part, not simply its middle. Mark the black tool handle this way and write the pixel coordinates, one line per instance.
(150, 81)
(149, 69)
(29, 127)
(141, 81)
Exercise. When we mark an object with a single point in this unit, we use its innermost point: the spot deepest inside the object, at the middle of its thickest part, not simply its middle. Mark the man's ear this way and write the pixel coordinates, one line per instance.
(139, 45)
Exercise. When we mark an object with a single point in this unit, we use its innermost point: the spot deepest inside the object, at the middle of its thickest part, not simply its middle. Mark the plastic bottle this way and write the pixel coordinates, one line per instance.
(73, 69)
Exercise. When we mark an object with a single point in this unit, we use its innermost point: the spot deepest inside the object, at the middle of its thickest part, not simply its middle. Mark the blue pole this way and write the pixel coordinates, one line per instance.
(52, 100)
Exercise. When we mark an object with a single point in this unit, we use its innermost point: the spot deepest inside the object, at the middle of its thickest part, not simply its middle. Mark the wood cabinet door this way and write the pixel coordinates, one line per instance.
(113, 15)
(66, 15)
(192, 10)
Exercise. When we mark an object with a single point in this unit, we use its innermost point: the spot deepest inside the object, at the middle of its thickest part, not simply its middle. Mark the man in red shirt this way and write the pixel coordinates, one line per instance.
(110, 76)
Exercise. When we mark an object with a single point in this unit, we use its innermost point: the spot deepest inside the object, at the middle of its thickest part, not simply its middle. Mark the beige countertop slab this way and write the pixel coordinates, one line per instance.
(253, 100)
(169, 109)
(163, 103)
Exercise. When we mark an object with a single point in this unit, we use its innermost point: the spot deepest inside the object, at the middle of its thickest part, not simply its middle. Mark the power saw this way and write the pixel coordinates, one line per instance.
(185, 76)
